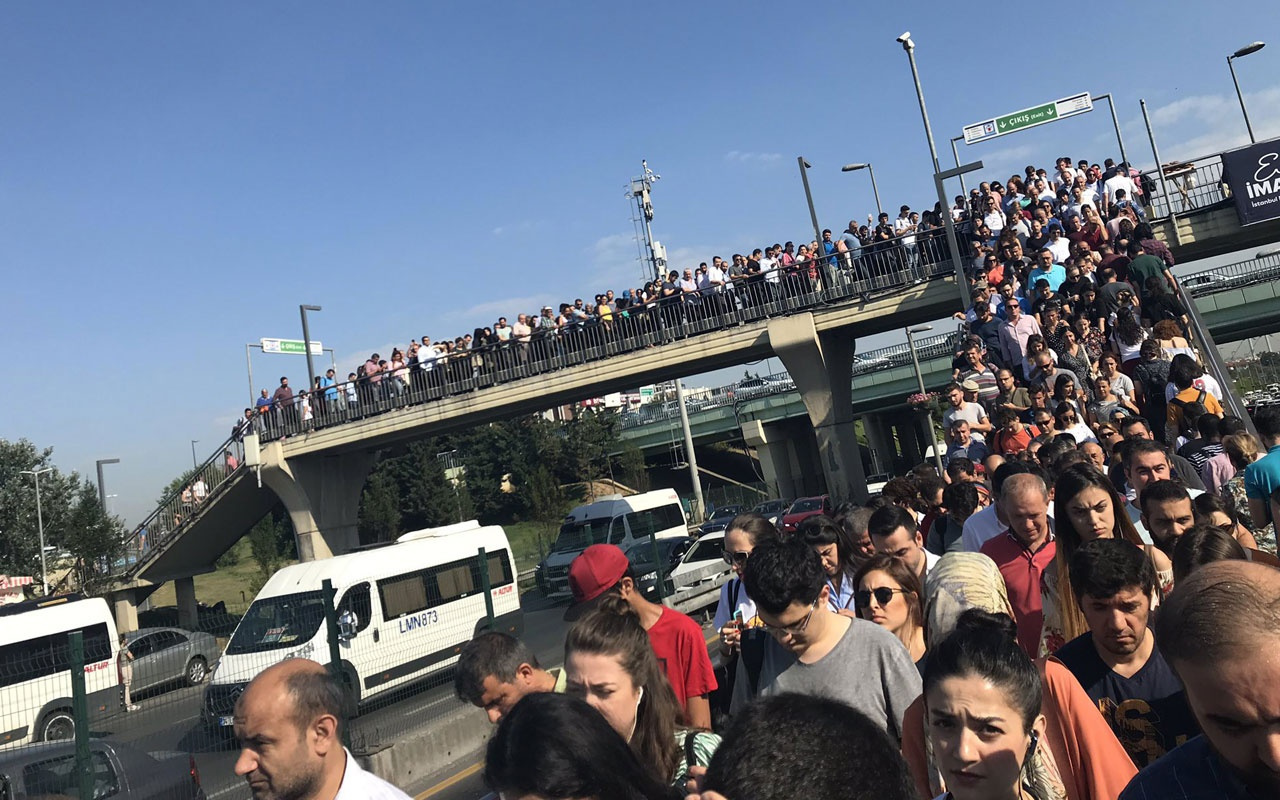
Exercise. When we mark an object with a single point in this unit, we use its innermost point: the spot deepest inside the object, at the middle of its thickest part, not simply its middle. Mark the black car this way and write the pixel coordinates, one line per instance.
(116, 770)
(643, 565)
(720, 519)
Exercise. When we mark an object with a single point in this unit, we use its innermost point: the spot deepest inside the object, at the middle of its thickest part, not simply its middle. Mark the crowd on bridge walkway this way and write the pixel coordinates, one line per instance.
(1062, 212)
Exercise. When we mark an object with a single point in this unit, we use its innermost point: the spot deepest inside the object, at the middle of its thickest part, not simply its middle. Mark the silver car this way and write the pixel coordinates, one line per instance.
(165, 656)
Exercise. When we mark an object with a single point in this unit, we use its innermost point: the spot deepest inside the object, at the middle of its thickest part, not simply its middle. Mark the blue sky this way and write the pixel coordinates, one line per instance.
(175, 178)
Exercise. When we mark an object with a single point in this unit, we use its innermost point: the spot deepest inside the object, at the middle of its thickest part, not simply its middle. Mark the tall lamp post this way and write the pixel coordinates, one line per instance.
(1248, 49)
(44, 572)
(306, 345)
(874, 189)
(910, 47)
(964, 190)
(195, 465)
(805, 166)
(915, 363)
(102, 491)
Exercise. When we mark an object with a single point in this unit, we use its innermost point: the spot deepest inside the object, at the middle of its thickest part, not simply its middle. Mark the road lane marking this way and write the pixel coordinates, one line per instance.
(450, 781)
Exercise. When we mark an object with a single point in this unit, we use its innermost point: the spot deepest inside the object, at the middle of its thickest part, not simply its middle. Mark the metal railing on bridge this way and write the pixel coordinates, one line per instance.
(1192, 185)
(780, 383)
(824, 281)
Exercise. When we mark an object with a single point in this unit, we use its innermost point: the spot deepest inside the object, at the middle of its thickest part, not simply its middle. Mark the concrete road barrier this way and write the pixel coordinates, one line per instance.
(462, 734)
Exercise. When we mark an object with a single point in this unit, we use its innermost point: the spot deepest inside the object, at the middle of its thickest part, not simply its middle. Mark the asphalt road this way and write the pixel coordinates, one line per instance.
(171, 721)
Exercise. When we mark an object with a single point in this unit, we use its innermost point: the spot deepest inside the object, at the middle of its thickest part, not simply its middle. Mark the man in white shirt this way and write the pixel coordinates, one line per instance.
(288, 725)
(1120, 180)
(894, 532)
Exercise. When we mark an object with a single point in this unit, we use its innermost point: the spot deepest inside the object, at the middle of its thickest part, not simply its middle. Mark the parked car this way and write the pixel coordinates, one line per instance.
(701, 564)
(118, 771)
(804, 508)
(875, 483)
(720, 519)
(170, 656)
(643, 565)
(773, 510)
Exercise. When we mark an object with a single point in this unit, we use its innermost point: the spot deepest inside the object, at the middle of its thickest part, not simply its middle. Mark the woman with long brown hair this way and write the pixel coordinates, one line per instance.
(888, 593)
(1086, 506)
(609, 663)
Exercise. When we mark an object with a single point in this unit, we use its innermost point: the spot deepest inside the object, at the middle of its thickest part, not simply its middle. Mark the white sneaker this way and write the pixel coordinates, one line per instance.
(132, 708)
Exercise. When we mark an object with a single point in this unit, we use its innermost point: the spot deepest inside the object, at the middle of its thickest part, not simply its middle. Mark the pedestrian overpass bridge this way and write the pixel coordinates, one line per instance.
(318, 471)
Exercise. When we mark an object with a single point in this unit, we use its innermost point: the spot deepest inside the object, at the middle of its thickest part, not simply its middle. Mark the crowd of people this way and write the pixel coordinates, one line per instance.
(1084, 604)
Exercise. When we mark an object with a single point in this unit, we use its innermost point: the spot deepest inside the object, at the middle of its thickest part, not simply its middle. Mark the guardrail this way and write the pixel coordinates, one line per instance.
(781, 383)
(1231, 276)
(1192, 184)
(704, 591)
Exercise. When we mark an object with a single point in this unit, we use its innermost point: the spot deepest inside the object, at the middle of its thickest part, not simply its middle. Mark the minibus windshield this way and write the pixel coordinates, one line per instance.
(271, 623)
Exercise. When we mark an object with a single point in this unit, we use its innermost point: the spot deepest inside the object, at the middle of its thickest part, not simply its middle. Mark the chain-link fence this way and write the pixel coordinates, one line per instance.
(86, 713)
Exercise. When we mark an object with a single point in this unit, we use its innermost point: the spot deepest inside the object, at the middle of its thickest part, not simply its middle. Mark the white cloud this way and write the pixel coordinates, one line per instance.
(524, 226)
(745, 157)
(1200, 125)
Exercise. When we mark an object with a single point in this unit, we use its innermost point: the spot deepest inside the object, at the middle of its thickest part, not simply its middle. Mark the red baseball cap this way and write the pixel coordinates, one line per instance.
(592, 574)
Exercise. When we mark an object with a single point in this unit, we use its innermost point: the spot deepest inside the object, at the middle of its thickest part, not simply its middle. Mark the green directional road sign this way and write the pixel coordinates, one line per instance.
(1028, 118)
(1025, 119)
(291, 347)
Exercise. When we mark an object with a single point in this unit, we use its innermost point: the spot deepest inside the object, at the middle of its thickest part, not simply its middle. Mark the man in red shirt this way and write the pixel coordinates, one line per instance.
(1013, 437)
(1023, 552)
(677, 640)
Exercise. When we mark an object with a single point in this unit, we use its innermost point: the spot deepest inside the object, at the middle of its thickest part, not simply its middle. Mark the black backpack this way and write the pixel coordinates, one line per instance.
(1192, 410)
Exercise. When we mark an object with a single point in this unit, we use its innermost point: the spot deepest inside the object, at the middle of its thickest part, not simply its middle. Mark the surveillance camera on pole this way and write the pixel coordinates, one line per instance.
(905, 40)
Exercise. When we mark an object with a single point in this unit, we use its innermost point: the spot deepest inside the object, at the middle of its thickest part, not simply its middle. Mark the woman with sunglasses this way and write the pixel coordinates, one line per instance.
(889, 594)
(736, 610)
(839, 559)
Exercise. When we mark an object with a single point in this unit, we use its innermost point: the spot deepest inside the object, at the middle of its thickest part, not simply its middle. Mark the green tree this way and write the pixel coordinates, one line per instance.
(631, 468)
(379, 518)
(79, 536)
(264, 544)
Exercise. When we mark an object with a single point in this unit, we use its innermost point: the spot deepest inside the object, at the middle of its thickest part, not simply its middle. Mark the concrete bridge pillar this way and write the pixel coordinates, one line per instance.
(125, 605)
(776, 452)
(822, 367)
(184, 590)
(908, 432)
(322, 495)
(879, 434)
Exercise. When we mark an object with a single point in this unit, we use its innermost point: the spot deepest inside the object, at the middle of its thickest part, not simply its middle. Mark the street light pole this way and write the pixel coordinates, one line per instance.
(875, 190)
(1115, 121)
(194, 464)
(44, 572)
(1243, 51)
(915, 363)
(306, 345)
(964, 190)
(102, 492)
(910, 47)
(805, 166)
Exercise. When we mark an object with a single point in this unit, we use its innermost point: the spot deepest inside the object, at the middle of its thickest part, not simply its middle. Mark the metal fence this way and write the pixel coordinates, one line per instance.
(150, 715)
(1191, 184)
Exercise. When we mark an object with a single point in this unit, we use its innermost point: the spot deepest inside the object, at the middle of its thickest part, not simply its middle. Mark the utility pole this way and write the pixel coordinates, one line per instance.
(641, 192)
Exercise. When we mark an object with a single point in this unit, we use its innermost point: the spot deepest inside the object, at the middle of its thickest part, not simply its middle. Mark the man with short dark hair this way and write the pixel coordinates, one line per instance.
(814, 651)
(603, 569)
(792, 746)
(1146, 462)
(1220, 631)
(496, 669)
(1262, 477)
(963, 445)
(894, 532)
(1116, 661)
(289, 726)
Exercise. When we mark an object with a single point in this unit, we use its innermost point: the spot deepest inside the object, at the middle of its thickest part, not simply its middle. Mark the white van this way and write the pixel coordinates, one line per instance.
(35, 674)
(612, 519)
(405, 611)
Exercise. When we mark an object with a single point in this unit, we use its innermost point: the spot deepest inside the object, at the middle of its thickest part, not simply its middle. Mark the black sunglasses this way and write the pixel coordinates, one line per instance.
(882, 594)
(732, 558)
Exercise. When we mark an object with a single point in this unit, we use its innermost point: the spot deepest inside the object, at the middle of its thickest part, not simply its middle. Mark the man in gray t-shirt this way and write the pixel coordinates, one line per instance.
(815, 651)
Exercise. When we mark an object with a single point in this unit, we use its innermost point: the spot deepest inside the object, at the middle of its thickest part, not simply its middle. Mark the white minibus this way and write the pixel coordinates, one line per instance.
(35, 674)
(624, 521)
(405, 610)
